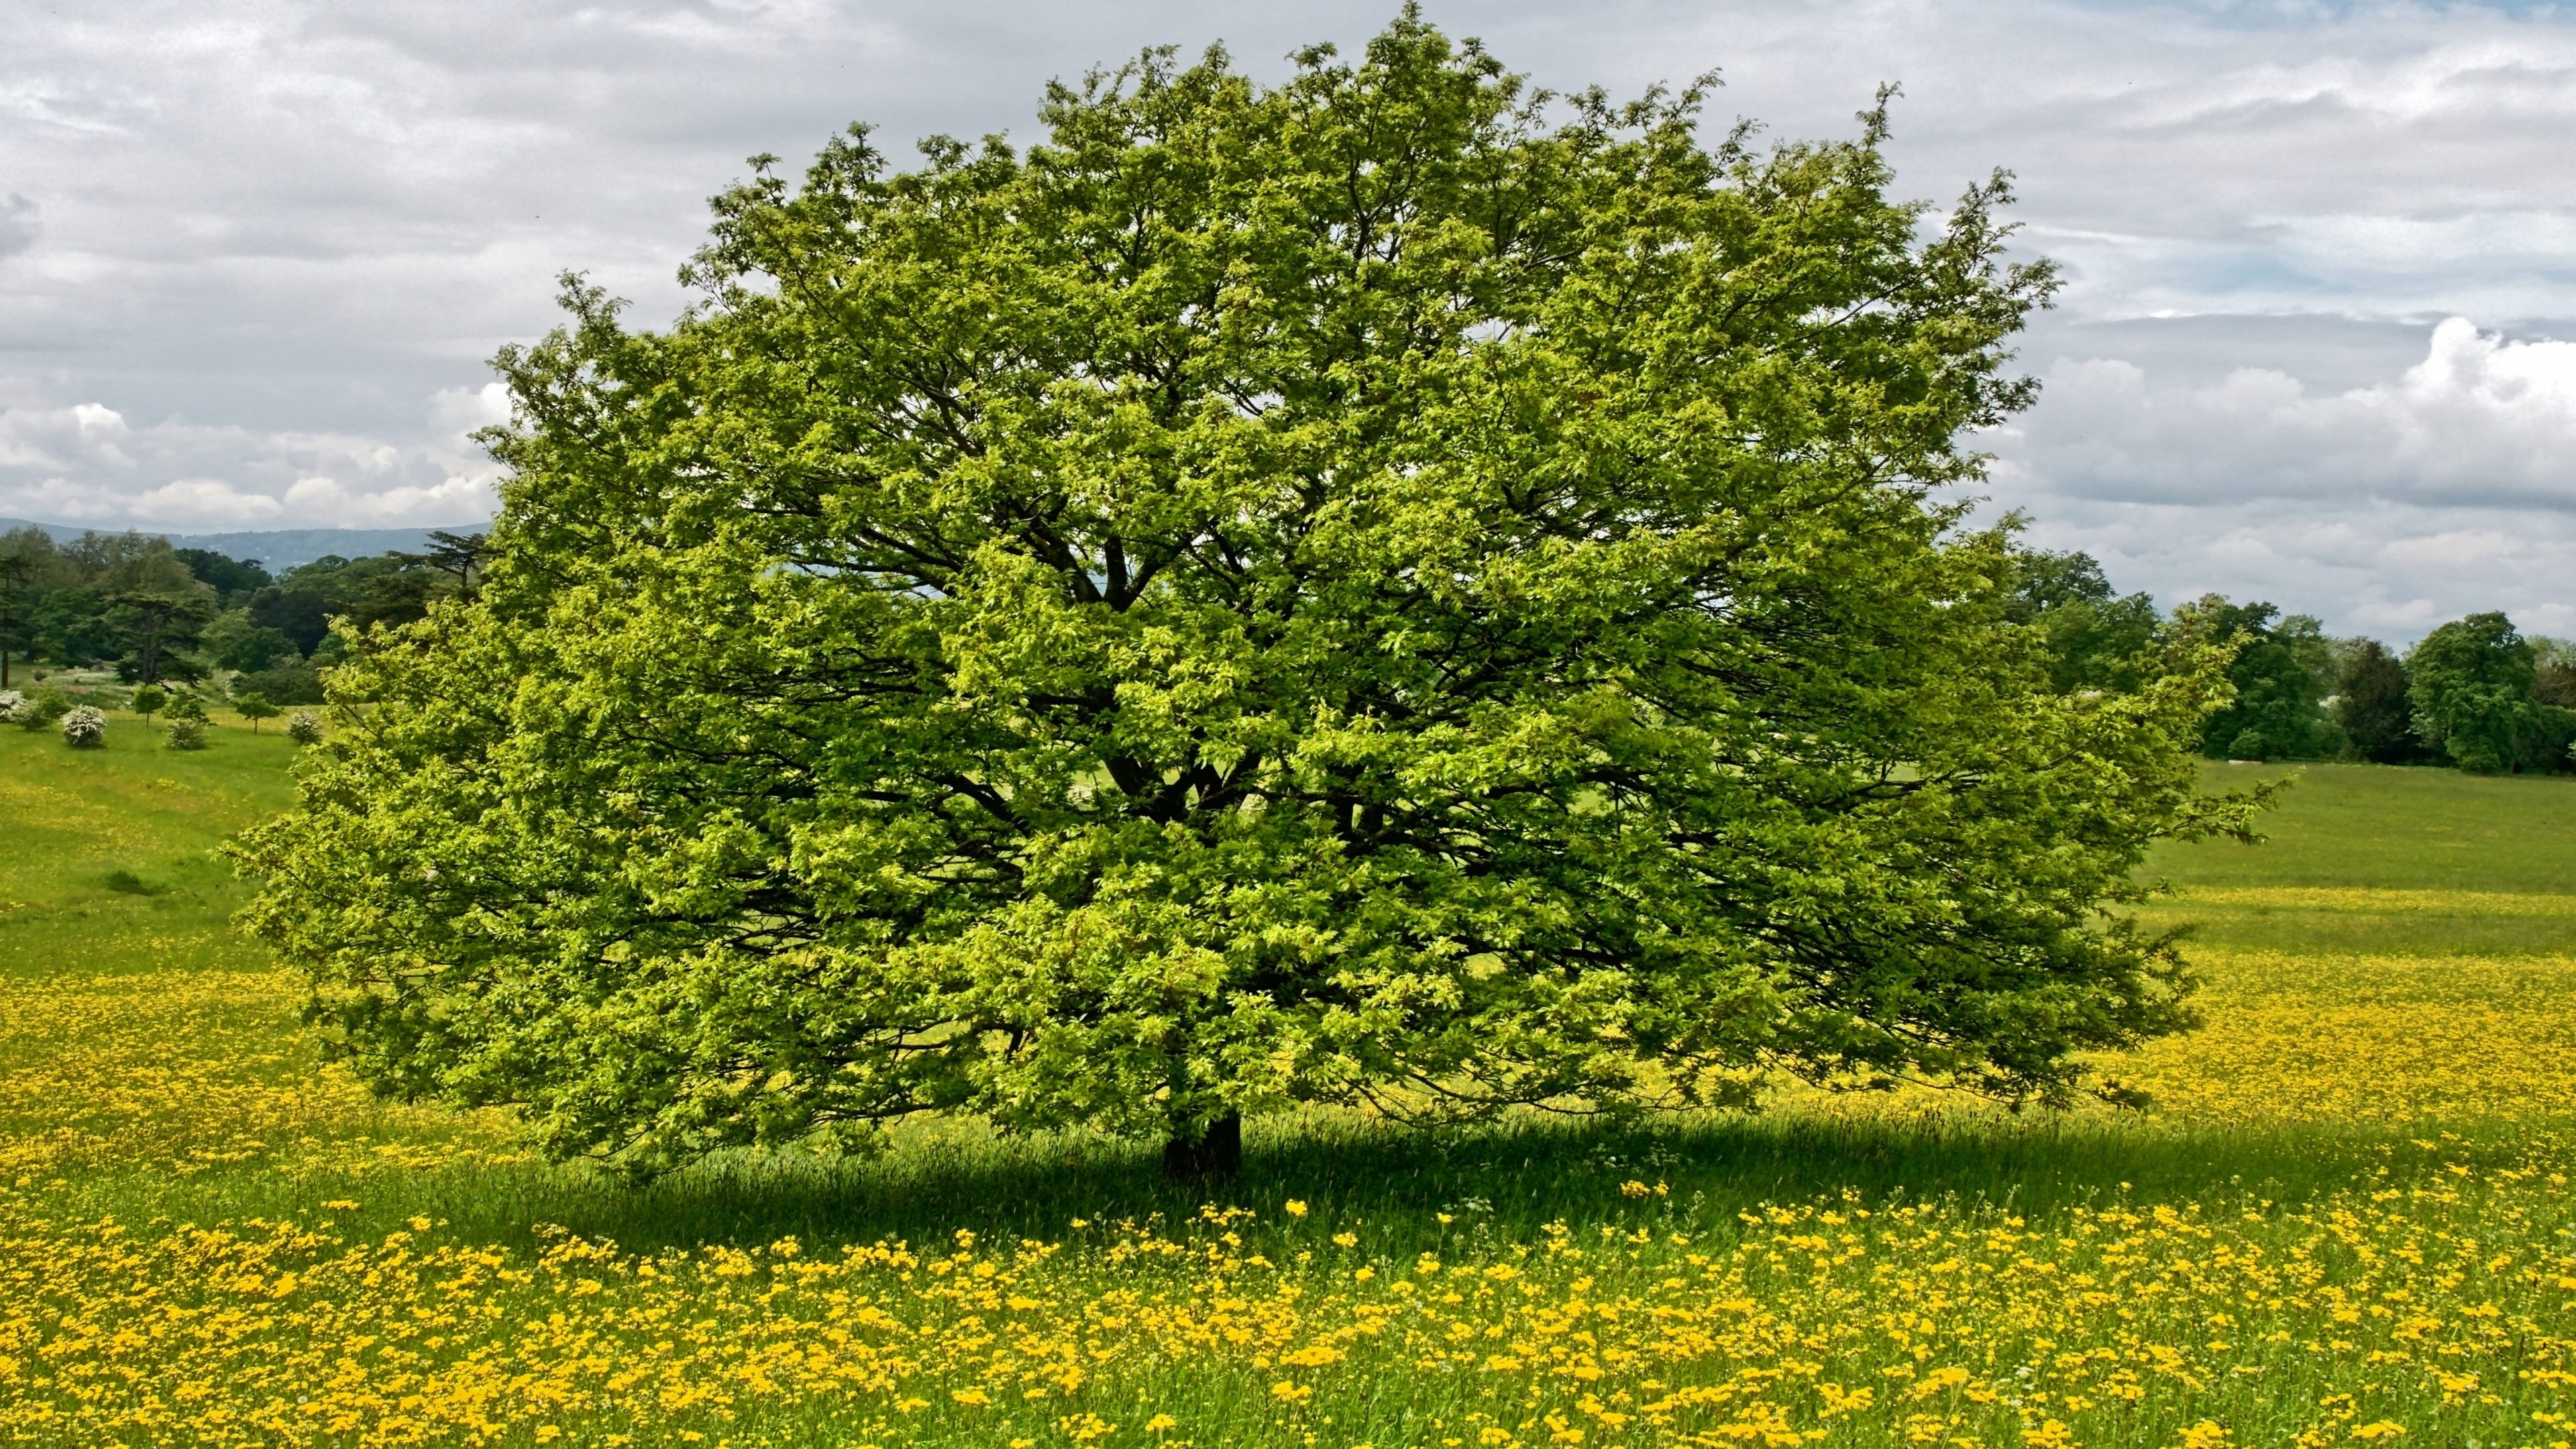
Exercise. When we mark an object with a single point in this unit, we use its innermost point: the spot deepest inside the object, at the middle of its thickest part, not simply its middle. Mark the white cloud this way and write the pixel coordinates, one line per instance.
(208, 504)
(456, 412)
(447, 501)
(62, 438)
(2444, 486)
(87, 463)
(18, 223)
(2480, 420)
(2390, 569)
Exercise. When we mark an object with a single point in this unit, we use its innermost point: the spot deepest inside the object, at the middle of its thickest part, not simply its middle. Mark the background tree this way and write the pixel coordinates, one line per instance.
(2553, 671)
(459, 555)
(2471, 682)
(159, 623)
(253, 706)
(289, 681)
(17, 604)
(2281, 674)
(232, 579)
(1385, 588)
(236, 641)
(2372, 706)
(2095, 640)
(72, 626)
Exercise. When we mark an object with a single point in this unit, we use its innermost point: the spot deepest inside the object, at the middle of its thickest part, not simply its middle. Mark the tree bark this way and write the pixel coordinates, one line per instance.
(1217, 1154)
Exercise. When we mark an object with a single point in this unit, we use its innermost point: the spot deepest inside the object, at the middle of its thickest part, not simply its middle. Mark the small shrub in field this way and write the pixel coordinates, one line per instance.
(254, 706)
(84, 728)
(43, 708)
(149, 699)
(186, 732)
(187, 706)
(11, 702)
(304, 727)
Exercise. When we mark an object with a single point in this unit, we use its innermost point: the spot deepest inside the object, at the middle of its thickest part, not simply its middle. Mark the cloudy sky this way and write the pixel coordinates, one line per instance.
(2318, 344)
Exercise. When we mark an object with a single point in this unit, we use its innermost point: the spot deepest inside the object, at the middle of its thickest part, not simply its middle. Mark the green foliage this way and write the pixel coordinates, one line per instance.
(385, 589)
(43, 708)
(71, 626)
(253, 706)
(24, 556)
(159, 625)
(1350, 592)
(304, 727)
(2281, 673)
(187, 706)
(2094, 639)
(2372, 706)
(236, 641)
(2554, 672)
(185, 732)
(462, 555)
(284, 683)
(230, 578)
(148, 700)
(183, 614)
(2471, 682)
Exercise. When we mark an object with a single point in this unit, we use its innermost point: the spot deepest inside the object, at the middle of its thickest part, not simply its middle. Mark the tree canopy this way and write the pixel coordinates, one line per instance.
(1392, 588)
(2280, 672)
(2472, 684)
(2097, 639)
(2371, 705)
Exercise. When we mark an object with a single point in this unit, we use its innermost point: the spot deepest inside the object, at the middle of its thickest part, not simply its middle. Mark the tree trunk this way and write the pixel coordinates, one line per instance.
(1217, 1154)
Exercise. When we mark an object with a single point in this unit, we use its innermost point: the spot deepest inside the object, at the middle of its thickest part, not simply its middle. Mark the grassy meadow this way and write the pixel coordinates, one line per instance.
(2346, 1220)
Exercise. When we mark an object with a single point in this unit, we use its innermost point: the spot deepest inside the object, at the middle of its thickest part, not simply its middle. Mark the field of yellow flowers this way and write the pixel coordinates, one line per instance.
(2347, 1221)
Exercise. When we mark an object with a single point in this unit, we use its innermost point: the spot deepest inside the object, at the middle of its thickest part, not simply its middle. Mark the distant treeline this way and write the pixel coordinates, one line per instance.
(2474, 693)
(159, 614)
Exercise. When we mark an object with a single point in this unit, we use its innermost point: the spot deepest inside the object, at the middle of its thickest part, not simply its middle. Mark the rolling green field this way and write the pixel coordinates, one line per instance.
(2347, 1219)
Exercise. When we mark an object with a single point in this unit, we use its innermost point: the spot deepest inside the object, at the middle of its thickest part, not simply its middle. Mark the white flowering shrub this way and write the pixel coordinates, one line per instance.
(12, 705)
(84, 728)
(304, 727)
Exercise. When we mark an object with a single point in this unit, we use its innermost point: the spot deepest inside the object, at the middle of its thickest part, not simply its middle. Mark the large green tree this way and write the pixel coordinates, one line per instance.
(1389, 589)
(2471, 681)
(159, 623)
(2280, 675)
(23, 555)
(2372, 707)
(2096, 639)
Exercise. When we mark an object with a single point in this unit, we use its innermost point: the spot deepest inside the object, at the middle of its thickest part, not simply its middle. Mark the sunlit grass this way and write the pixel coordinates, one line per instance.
(2347, 1220)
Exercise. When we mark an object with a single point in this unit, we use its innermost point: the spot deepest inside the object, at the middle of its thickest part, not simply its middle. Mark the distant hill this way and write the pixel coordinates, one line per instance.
(276, 548)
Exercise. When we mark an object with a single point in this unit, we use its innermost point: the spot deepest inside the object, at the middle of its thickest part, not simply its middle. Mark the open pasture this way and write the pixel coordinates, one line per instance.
(2346, 1221)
